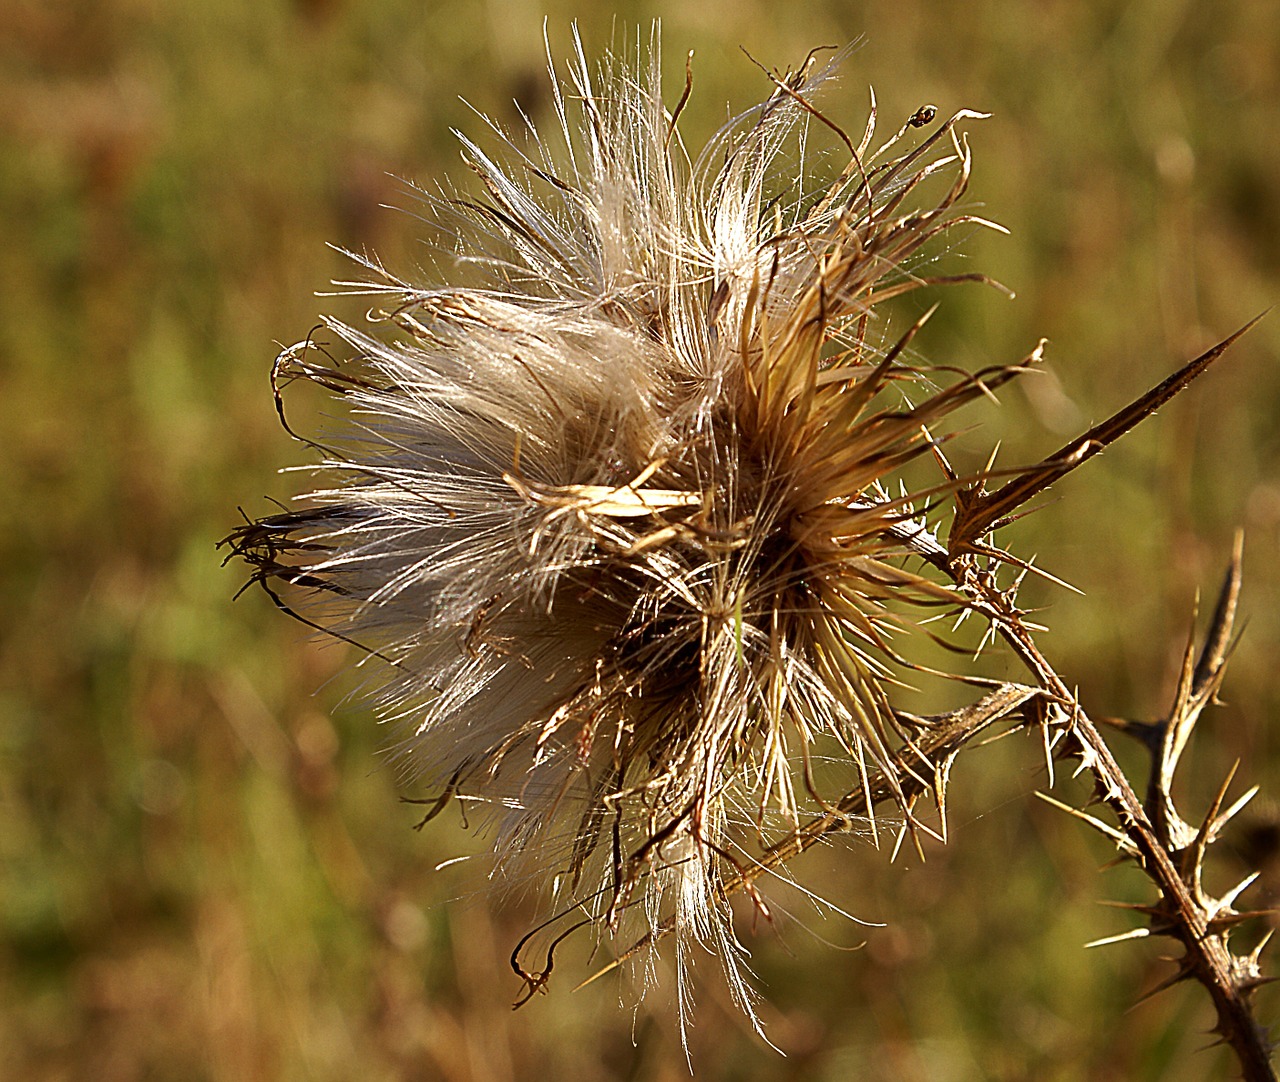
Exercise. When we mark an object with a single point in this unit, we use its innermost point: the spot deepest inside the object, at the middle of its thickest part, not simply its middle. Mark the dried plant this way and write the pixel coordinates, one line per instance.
(639, 530)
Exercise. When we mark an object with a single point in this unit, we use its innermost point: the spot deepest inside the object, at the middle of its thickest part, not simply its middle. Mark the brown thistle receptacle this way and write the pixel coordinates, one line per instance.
(627, 522)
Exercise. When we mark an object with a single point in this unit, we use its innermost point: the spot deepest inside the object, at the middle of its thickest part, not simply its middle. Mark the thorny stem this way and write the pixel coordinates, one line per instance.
(1207, 958)
(1183, 914)
(1183, 917)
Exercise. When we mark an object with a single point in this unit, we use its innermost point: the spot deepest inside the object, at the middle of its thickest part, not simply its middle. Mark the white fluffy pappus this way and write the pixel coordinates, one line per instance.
(623, 524)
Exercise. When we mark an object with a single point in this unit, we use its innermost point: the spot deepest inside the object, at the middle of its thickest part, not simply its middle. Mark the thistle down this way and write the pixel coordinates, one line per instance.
(625, 525)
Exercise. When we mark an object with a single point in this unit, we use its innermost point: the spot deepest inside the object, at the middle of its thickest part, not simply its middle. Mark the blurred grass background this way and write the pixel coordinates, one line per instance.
(205, 872)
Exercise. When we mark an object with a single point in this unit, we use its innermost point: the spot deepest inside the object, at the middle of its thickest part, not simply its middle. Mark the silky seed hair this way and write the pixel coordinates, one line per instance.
(622, 524)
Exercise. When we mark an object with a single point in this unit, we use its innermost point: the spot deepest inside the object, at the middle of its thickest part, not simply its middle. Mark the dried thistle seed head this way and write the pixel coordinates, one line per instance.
(624, 524)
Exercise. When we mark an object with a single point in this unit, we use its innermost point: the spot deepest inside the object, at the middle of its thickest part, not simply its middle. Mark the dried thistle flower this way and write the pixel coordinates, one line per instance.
(627, 523)
(624, 522)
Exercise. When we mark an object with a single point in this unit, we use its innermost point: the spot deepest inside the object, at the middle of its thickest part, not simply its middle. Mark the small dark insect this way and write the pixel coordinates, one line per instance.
(922, 116)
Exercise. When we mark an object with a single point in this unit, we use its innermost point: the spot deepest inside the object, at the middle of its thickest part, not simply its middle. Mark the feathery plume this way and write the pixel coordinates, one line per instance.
(625, 523)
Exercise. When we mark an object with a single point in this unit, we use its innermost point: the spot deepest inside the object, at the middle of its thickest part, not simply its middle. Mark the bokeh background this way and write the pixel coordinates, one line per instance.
(205, 869)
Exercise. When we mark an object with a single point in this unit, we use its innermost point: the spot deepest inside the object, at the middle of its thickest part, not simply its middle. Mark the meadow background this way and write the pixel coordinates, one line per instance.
(205, 869)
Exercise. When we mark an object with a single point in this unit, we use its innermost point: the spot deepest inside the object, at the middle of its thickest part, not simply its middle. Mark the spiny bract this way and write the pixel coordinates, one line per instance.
(623, 523)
